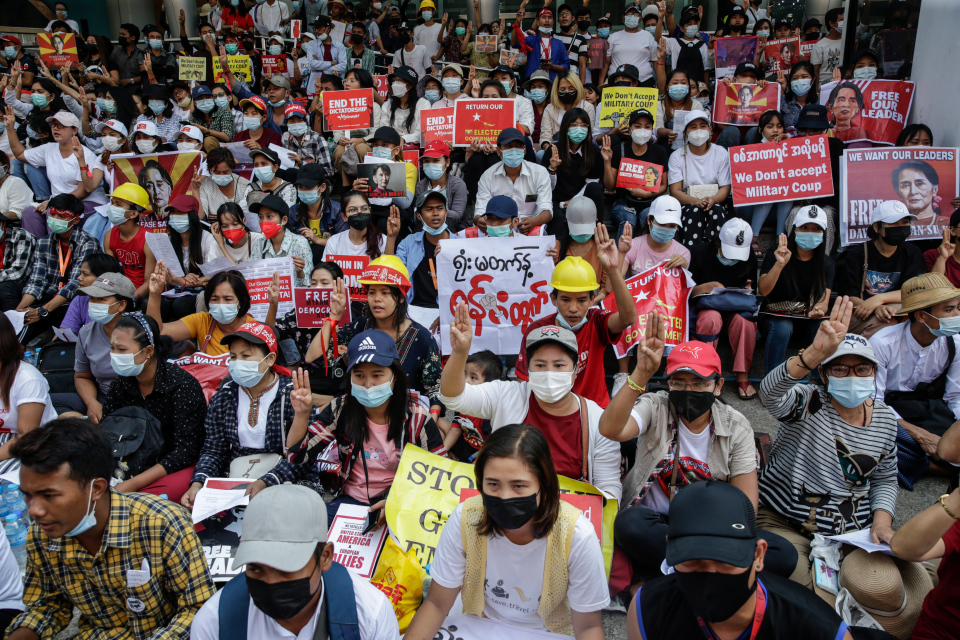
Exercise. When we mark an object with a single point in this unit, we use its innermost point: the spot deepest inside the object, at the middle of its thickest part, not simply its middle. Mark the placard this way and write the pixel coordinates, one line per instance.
(347, 110)
(795, 169)
(384, 179)
(782, 54)
(661, 289)
(732, 51)
(743, 104)
(509, 57)
(619, 102)
(313, 307)
(485, 43)
(636, 174)
(924, 179)
(436, 124)
(163, 250)
(502, 280)
(412, 156)
(57, 49)
(338, 31)
(274, 64)
(874, 110)
(382, 85)
(295, 29)
(356, 551)
(259, 276)
(806, 49)
(482, 120)
(192, 68)
(352, 267)
(240, 67)
(163, 175)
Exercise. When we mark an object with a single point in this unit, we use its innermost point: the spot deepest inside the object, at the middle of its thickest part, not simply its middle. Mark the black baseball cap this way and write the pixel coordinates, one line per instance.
(508, 135)
(387, 134)
(747, 68)
(689, 12)
(269, 154)
(272, 202)
(735, 10)
(502, 68)
(712, 520)
(404, 73)
(864, 53)
(625, 70)
(309, 175)
(430, 194)
(636, 114)
(813, 116)
(812, 22)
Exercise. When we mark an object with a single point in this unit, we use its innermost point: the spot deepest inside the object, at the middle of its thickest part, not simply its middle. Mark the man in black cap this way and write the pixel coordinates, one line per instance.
(279, 242)
(689, 52)
(716, 589)
(412, 55)
(811, 30)
(736, 22)
(324, 55)
(633, 46)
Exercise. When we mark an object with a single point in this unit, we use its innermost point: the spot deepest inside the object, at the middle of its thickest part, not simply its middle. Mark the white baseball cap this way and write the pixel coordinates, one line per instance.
(697, 114)
(666, 210)
(813, 214)
(856, 345)
(147, 127)
(735, 237)
(581, 216)
(192, 131)
(116, 125)
(890, 211)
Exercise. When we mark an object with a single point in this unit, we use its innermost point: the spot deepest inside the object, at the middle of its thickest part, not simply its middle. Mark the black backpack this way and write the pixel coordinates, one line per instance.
(690, 59)
(137, 440)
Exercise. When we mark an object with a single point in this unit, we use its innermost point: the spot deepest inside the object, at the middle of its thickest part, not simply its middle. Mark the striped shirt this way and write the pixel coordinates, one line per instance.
(824, 474)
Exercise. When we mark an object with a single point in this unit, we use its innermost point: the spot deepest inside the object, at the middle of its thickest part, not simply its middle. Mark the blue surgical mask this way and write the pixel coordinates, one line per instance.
(581, 237)
(851, 391)
(31, 133)
(435, 232)
(763, 33)
(382, 152)
(538, 95)
(433, 170)
(155, 43)
(451, 85)
(502, 231)
(566, 325)
(545, 30)
(809, 240)
(89, 520)
(865, 73)
(231, 48)
(427, 15)
(157, 106)
(275, 49)
(124, 365)
(224, 313)
(117, 215)
(651, 30)
(801, 86)
(9, 53)
(100, 313)
(577, 134)
(603, 32)
(296, 5)
(298, 129)
(205, 105)
(662, 234)
(678, 91)
(691, 31)
(101, 104)
(222, 102)
(110, 106)
(507, 86)
(948, 326)
(631, 22)
(512, 157)
(308, 197)
(278, 103)
(374, 396)
(252, 123)
(246, 373)
(432, 95)
(264, 174)
(727, 262)
(39, 100)
(222, 180)
(179, 222)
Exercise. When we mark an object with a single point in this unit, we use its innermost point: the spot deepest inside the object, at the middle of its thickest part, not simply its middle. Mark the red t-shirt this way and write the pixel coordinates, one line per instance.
(940, 617)
(952, 266)
(564, 435)
(267, 138)
(132, 255)
(244, 23)
(592, 339)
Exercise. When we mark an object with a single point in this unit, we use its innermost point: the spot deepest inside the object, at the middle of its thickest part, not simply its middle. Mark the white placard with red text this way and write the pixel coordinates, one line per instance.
(351, 548)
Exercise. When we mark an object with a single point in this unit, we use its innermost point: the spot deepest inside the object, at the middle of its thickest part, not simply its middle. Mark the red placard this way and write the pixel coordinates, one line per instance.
(796, 169)
(274, 64)
(636, 174)
(295, 29)
(885, 107)
(743, 104)
(382, 86)
(436, 124)
(482, 120)
(208, 370)
(347, 110)
(353, 267)
(806, 49)
(412, 156)
(782, 54)
(313, 307)
(57, 49)
(591, 506)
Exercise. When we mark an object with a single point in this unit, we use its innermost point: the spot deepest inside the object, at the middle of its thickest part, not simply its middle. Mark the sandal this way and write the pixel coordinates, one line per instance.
(757, 253)
(742, 391)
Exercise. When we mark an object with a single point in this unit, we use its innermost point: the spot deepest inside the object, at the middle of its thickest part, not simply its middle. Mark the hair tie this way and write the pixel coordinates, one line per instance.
(142, 319)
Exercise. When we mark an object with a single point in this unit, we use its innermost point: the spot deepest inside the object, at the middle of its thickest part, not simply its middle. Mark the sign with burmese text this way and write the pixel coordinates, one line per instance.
(348, 110)
(798, 168)
(436, 124)
(481, 121)
(313, 307)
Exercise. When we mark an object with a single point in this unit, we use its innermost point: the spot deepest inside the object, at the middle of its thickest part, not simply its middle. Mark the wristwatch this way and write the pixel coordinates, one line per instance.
(42, 312)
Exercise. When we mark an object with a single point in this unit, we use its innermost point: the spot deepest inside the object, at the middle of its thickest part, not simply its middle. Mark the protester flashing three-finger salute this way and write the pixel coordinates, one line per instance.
(569, 421)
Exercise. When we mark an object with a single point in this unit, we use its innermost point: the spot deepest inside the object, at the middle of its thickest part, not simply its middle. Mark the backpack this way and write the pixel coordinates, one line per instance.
(690, 59)
(137, 440)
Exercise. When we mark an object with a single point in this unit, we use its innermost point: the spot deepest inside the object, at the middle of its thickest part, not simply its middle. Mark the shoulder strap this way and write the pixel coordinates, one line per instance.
(233, 609)
(585, 439)
(213, 325)
(676, 466)
(951, 354)
(643, 632)
(340, 604)
(863, 280)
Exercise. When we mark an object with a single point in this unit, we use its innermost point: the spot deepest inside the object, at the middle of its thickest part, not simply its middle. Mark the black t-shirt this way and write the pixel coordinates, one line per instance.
(784, 289)
(424, 287)
(655, 154)
(705, 267)
(572, 176)
(792, 612)
(883, 274)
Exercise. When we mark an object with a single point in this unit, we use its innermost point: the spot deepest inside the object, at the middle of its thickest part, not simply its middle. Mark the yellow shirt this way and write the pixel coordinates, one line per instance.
(199, 323)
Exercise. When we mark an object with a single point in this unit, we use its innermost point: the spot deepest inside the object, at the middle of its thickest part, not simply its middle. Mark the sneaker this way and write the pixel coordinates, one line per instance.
(619, 380)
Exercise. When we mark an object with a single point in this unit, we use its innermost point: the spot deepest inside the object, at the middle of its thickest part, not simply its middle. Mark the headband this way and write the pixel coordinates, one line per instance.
(62, 212)
(142, 319)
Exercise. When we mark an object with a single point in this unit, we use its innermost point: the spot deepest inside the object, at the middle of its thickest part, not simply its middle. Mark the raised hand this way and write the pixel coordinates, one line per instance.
(338, 300)
(77, 150)
(947, 246)
(183, 17)
(301, 397)
(393, 222)
(9, 119)
(662, 50)
(461, 331)
(650, 347)
(554, 157)
(606, 248)
(782, 254)
(158, 279)
(832, 332)
(273, 290)
(626, 238)
(196, 181)
(606, 152)
(225, 62)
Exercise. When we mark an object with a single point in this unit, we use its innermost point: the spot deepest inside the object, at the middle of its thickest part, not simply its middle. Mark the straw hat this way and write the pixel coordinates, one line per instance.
(924, 291)
(889, 589)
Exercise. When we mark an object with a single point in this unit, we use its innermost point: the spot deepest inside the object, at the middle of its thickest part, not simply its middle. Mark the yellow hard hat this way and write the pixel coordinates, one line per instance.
(427, 3)
(574, 274)
(388, 270)
(132, 192)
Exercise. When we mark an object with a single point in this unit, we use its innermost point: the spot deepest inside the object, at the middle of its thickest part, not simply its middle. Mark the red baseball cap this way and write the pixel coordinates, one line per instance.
(254, 333)
(256, 101)
(436, 149)
(183, 204)
(696, 357)
(13, 39)
(294, 109)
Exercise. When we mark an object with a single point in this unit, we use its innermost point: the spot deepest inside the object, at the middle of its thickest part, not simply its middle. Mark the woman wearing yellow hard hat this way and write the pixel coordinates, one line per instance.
(387, 281)
(127, 240)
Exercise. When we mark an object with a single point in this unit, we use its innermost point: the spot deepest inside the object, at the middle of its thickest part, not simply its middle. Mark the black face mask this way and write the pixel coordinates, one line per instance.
(404, 38)
(622, 83)
(812, 36)
(690, 405)
(896, 235)
(715, 597)
(583, 24)
(356, 38)
(359, 221)
(248, 45)
(567, 97)
(122, 41)
(736, 28)
(510, 513)
(280, 600)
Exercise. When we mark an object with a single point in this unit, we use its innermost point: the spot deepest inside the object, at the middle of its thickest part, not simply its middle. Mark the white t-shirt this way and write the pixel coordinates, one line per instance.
(29, 385)
(829, 55)
(514, 574)
(675, 46)
(638, 48)
(72, 23)
(427, 36)
(374, 615)
(242, 254)
(63, 173)
(339, 244)
(418, 59)
(15, 196)
(753, 15)
(713, 167)
(11, 584)
(694, 448)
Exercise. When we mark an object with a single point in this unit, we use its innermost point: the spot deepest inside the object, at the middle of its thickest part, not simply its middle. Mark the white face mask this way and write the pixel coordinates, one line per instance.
(188, 146)
(399, 89)
(550, 386)
(111, 143)
(146, 146)
(698, 137)
(641, 136)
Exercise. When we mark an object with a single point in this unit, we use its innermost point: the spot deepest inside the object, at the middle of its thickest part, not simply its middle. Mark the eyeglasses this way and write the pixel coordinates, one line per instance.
(354, 210)
(696, 385)
(864, 370)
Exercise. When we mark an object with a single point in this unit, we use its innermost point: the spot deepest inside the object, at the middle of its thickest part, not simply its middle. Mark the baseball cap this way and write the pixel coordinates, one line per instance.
(436, 149)
(745, 68)
(183, 204)
(275, 38)
(432, 193)
(650, 10)
(387, 134)
(65, 118)
(631, 7)
(736, 9)
(735, 237)
(404, 73)
(688, 13)
(294, 109)
(813, 214)
(553, 334)
(605, 20)
(625, 70)
(711, 520)
(254, 333)
(636, 114)
(283, 543)
(12, 39)
(268, 153)
(256, 101)
(453, 66)
(309, 175)
(698, 358)
(812, 22)
(697, 114)
(666, 210)
(581, 216)
(147, 126)
(272, 202)
(373, 346)
(111, 284)
(116, 125)
(192, 131)
(890, 211)
(864, 53)
(279, 81)
(813, 116)
(501, 207)
(856, 345)
(508, 135)
(201, 90)
(502, 68)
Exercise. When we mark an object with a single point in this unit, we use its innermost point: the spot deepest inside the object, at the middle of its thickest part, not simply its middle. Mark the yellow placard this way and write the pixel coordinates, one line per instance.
(239, 66)
(193, 68)
(426, 490)
(619, 102)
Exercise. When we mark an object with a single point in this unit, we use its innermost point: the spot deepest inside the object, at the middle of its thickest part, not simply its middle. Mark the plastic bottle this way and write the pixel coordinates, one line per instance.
(16, 532)
(427, 581)
(4, 505)
(15, 502)
(29, 357)
(36, 358)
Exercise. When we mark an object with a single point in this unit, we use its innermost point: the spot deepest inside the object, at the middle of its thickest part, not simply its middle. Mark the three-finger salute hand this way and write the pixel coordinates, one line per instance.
(461, 331)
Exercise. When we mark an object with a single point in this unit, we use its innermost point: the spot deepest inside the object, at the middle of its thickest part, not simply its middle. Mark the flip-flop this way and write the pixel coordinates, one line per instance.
(742, 389)
(756, 250)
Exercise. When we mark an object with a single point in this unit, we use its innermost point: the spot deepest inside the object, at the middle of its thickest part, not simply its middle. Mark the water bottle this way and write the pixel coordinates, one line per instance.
(36, 358)
(30, 357)
(16, 532)
(15, 502)
(4, 505)
(427, 581)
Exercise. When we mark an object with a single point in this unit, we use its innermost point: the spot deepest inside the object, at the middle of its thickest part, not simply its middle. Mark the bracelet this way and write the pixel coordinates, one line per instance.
(802, 363)
(943, 504)
(635, 386)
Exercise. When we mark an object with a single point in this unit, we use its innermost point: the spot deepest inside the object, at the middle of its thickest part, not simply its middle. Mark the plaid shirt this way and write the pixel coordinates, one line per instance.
(312, 149)
(45, 280)
(19, 248)
(219, 120)
(61, 575)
